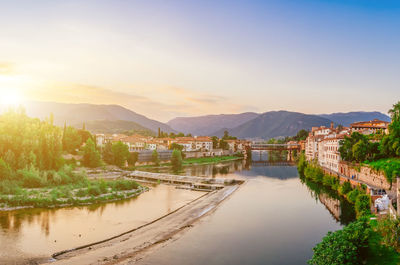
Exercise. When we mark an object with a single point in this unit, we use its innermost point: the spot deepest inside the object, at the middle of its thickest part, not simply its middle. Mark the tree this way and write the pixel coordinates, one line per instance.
(108, 154)
(347, 246)
(223, 144)
(301, 135)
(176, 146)
(176, 160)
(91, 156)
(85, 135)
(71, 140)
(120, 153)
(215, 141)
(133, 158)
(155, 158)
(5, 170)
(360, 151)
(390, 144)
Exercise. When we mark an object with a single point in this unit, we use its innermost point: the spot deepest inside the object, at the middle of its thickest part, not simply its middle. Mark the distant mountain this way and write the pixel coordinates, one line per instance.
(75, 114)
(206, 125)
(117, 126)
(346, 119)
(275, 124)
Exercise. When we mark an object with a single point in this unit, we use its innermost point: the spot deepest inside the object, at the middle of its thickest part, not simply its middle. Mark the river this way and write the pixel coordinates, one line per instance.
(274, 218)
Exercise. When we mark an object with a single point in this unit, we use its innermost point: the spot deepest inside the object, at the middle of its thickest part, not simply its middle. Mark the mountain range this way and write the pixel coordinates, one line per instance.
(115, 119)
(77, 114)
(266, 125)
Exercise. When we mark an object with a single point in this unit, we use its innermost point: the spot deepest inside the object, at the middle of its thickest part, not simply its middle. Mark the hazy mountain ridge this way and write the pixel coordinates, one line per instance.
(206, 125)
(74, 114)
(276, 124)
(115, 126)
(346, 119)
(285, 125)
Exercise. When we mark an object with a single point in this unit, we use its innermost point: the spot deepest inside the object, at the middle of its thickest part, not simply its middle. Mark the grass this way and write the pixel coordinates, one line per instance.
(207, 160)
(193, 161)
(31, 188)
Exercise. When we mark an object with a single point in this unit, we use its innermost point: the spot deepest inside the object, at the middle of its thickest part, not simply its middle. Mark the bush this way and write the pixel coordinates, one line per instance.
(30, 178)
(94, 190)
(352, 195)
(346, 246)
(363, 205)
(345, 188)
(8, 187)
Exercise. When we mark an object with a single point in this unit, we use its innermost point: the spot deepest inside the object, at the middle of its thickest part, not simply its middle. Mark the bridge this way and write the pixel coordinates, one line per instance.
(262, 146)
(290, 148)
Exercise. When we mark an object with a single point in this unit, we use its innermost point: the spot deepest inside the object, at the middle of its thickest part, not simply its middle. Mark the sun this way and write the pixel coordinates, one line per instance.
(10, 98)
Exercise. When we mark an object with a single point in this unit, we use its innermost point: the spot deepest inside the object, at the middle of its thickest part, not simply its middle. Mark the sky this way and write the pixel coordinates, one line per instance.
(168, 58)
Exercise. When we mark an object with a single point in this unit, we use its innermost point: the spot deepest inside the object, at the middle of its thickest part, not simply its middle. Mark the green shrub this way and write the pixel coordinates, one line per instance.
(343, 247)
(81, 193)
(31, 178)
(8, 187)
(94, 190)
(352, 195)
(345, 188)
(363, 205)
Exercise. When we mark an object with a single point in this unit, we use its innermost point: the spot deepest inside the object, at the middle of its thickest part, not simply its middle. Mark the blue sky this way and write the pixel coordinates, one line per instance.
(184, 58)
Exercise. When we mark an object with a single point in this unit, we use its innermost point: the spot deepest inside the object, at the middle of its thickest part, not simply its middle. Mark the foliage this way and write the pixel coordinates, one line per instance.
(26, 141)
(345, 188)
(390, 145)
(390, 167)
(176, 160)
(223, 144)
(175, 146)
(91, 156)
(228, 137)
(363, 205)
(346, 246)
(389, 228)
(352, 195)
(107, 153)
(133, 158)
(215, 142)
(358, 148)
(71, 140)
(301, 164)
(120, 153)
(155, 158)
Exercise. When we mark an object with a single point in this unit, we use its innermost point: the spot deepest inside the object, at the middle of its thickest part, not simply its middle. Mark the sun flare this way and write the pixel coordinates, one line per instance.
(10, 98)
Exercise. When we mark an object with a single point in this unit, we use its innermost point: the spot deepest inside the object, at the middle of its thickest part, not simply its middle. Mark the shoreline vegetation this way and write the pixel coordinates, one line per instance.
(193, 161)
(363, 241)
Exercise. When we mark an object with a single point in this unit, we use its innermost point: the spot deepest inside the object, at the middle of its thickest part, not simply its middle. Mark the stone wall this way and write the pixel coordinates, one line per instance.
(365, 174)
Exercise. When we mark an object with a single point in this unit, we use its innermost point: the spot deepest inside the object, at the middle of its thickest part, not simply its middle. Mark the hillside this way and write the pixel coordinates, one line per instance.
(347, 118)
(206, 125)
(115, 126)
(275, 124)
(75, 114)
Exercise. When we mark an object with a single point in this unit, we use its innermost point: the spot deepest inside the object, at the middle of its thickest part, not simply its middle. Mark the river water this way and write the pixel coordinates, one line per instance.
(274, 218)
(38, 233)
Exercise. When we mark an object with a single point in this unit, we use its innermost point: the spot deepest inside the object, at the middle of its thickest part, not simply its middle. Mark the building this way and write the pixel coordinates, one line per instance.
(369, 127)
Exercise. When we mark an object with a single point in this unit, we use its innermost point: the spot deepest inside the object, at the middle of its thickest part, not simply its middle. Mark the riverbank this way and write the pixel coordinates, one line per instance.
(368, 247)
(84, 192)
(194, 161)
(132, 245)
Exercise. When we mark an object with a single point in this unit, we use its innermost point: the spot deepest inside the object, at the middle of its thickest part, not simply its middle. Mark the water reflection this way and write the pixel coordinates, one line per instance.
(36, 233)
(341, 209)
(271, 219)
